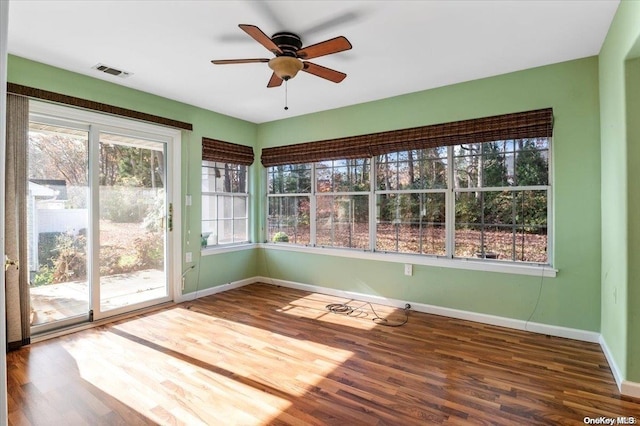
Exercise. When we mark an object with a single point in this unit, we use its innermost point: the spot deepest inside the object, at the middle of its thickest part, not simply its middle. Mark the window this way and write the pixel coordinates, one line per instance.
(225, 203)
(225, 195)
(290, 204)
(342, 203)
(492, 204)
(474, 189)
(410, 201)
(501, 199)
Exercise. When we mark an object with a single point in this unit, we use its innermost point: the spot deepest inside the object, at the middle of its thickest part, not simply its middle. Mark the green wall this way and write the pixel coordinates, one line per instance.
(620, 326)
(213, 270)
(633, 162)
(596, 147)
(572, 299)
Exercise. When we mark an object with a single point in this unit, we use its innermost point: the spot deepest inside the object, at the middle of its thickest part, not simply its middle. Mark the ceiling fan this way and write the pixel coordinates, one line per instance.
(290, 57)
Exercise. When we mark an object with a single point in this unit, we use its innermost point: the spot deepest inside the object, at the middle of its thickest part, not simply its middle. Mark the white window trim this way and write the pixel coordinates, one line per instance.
(227, 248)
(448, 261)
(421, 259)
(414, 259)
(247, 195)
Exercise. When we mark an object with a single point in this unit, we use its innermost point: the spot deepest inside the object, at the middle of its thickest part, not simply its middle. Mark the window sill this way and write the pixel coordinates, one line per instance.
(227, 248)
(414, 259)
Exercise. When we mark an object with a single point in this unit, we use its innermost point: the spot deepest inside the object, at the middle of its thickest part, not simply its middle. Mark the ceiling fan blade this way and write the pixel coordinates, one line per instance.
(263, 8)
(336, 20)
(324, 72)
(261, 38)
(327, 47)
(274, 81)
(237, 61)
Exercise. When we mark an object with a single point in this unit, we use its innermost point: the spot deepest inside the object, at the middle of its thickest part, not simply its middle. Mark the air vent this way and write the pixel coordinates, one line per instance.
(113, 71)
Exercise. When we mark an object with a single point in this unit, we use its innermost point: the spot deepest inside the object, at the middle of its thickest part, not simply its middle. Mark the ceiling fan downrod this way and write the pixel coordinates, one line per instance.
(286, 85)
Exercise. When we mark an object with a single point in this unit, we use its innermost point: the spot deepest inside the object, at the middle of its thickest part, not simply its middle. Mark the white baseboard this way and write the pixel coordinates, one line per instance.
(218, 289)
(552, 330)
(617, 375)
(630, 389)
(625, 387)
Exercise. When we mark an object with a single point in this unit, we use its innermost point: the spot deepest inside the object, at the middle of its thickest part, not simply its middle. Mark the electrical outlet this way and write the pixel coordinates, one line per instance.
(615, 295)
(188, 201)
(188, 257)
(408, 269)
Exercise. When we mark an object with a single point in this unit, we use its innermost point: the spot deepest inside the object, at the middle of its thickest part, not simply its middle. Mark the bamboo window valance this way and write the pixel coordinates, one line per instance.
(46, 95)
(226, 152)
(529, 124)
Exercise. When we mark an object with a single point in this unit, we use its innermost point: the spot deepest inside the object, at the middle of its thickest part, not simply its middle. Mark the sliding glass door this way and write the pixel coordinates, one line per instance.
(100, 216)
(132, 221)
(58, 222)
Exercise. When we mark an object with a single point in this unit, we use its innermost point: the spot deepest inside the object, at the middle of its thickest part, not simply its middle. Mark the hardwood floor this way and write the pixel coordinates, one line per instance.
(262, 354)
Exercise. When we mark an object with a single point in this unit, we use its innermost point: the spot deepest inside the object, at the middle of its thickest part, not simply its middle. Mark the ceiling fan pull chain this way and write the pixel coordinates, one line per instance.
(286, 94)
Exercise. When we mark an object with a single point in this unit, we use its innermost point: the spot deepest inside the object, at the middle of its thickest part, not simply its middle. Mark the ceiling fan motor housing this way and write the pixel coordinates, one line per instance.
(286, 65)
(288, 42)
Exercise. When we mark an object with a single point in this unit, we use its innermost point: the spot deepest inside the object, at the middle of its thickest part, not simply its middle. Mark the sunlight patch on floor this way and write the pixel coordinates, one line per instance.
(192, 380)
(314, 306)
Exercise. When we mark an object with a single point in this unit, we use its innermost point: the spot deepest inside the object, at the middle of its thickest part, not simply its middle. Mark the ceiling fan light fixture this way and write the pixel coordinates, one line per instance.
(285, 67)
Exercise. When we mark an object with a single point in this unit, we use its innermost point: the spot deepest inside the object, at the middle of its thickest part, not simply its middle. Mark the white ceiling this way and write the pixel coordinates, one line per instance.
(398, 46)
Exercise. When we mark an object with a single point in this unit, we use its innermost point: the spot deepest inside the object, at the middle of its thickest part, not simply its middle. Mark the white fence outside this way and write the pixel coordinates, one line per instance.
(53, 220)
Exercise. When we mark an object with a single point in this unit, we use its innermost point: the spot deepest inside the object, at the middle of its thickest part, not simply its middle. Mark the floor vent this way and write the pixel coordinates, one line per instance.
(113, 71)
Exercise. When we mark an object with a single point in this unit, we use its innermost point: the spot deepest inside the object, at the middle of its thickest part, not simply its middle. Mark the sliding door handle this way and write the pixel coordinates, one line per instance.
(8, 263)
(170, 224)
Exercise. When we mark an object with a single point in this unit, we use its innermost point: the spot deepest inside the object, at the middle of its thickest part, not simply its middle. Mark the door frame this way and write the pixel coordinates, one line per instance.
(4, 32)
(112, 124)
